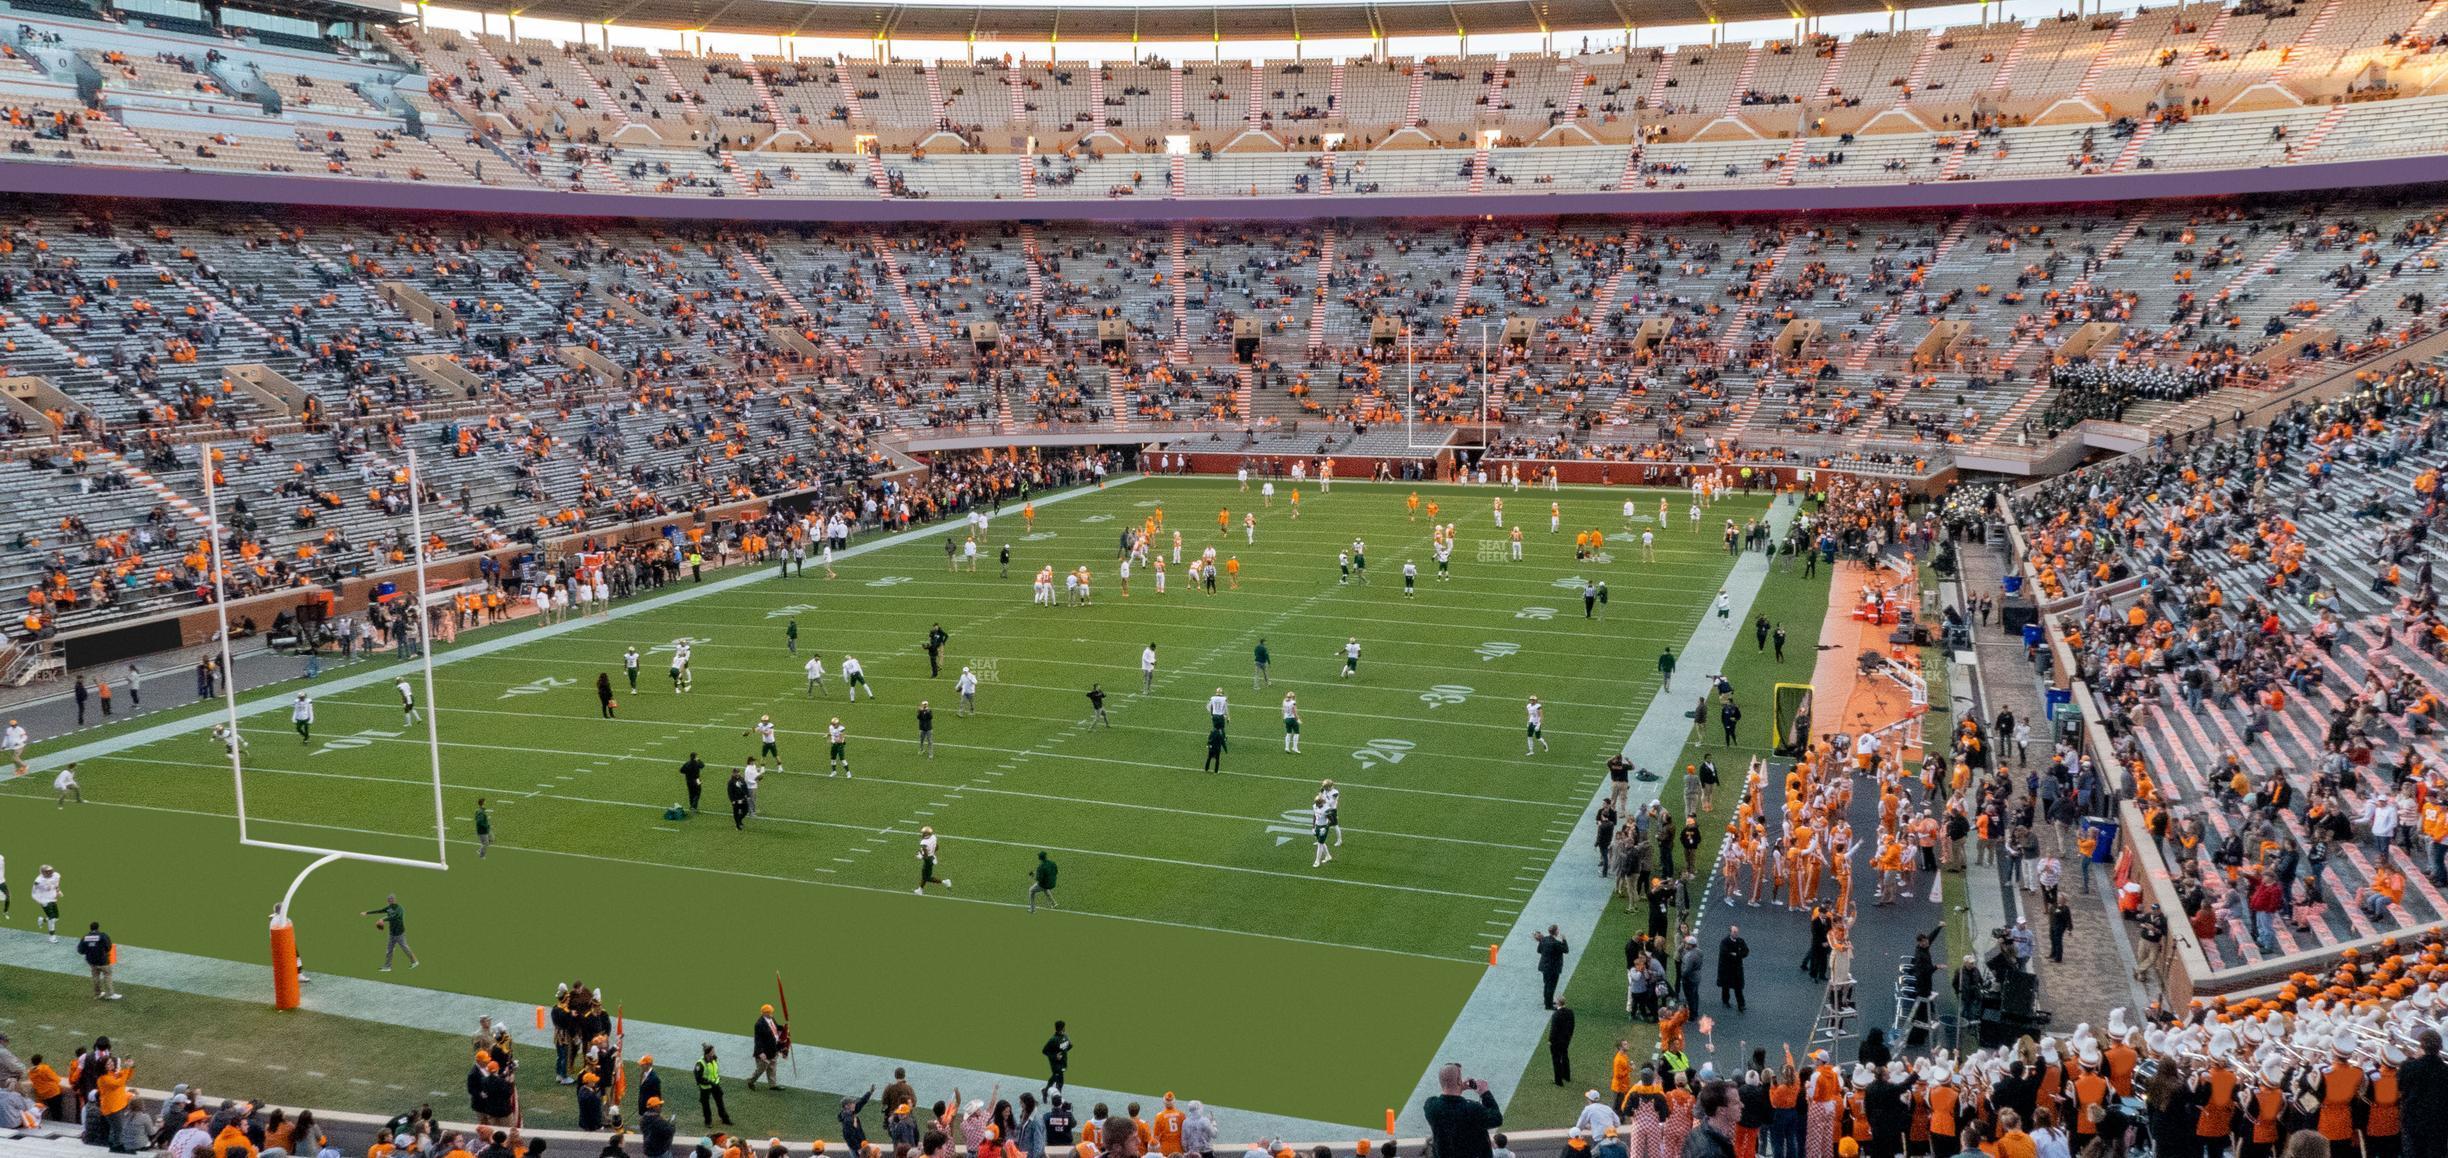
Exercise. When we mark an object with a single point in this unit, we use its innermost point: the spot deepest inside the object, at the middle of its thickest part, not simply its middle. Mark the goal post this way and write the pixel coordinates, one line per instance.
(285, 971)
(1789, 718)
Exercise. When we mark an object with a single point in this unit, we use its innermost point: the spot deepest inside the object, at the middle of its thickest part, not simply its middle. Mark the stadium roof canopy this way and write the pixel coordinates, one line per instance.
(1038, 22)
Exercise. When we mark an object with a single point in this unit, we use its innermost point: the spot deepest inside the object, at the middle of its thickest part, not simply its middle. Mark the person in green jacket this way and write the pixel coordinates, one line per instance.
(395, 922)
(484, 829)
(1041, 880)
(1258, 679)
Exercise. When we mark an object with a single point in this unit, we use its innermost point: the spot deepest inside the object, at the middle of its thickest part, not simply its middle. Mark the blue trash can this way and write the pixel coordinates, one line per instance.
(2014, 586)
(2058, 701)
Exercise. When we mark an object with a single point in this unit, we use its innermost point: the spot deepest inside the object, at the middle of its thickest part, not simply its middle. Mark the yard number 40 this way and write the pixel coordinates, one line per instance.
(538, 687)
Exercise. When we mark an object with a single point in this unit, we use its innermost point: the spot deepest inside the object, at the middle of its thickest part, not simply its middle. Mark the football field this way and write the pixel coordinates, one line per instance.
(1195, 947)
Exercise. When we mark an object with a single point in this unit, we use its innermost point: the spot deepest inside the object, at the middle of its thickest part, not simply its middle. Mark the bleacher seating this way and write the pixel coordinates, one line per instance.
(2318, 703)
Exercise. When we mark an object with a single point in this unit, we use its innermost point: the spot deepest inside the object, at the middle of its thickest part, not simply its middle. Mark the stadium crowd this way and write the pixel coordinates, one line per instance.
(2342, 1061)
(2268, 701)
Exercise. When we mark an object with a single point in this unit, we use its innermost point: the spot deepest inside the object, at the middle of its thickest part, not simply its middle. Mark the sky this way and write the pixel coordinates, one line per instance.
(663, 39)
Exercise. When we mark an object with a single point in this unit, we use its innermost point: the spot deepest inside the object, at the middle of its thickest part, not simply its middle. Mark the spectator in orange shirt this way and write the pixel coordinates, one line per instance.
(111, 1098)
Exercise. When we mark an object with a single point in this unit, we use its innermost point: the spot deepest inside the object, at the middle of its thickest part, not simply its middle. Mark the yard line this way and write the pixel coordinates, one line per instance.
(776, 818)
(793, 685)
(1075, 758)
(1176, 625)
(791, 680)
(991, 790)
(1701, 559)
(1222, 605)
(1513, 727)
(854, 887)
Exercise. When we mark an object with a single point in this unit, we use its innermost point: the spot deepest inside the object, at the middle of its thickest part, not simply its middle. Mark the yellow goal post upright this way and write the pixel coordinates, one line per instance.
(1789, 718)
(285, 972)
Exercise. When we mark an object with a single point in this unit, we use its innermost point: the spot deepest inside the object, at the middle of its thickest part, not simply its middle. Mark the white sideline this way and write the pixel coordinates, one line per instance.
(456, 1013)
(1499, 1027)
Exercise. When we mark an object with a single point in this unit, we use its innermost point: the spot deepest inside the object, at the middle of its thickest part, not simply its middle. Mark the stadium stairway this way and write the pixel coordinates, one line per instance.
(2099, 62)
(1118, 391)
(2014, 355)
(2312, 141)
(146, 479)
(2304, 40)
(1177, 245)
(1742, 80)
(1736, 329)
(935, 94)
(2125, 157)
(765, 97)
(1318, 296)
(1033, 258)
(1858, 358)
(910, 318)
(774, 285)
(2199, 58)
(1468, 278)
(1918, 74)
(1835, 68)
(2014, 57)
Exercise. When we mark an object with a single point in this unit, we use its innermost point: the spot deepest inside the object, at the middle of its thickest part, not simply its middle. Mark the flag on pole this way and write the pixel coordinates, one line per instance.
(782, 998)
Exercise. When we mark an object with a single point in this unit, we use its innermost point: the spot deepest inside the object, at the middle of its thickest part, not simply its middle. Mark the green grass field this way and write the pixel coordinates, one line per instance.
(1196, 949)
